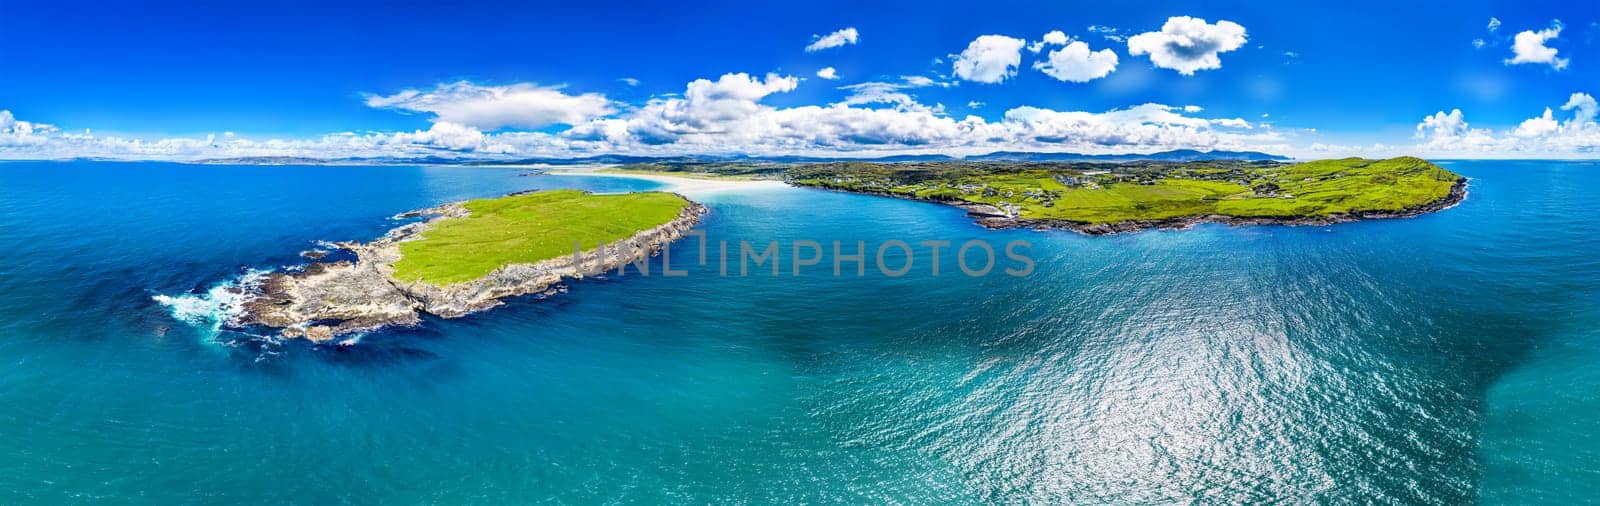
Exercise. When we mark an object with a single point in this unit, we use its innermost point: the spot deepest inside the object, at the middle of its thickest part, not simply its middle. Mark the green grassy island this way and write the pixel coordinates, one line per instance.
(466, 257)
(1109, 198)
(528, 228)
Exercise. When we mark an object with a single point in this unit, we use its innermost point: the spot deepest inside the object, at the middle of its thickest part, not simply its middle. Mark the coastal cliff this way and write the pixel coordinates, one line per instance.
(327, 299)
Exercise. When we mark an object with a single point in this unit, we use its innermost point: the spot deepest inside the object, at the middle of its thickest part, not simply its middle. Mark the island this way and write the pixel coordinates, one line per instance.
(465, 257)
(1099, 197)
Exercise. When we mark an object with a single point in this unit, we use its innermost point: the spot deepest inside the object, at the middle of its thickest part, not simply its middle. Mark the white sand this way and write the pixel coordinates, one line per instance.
(684, 185)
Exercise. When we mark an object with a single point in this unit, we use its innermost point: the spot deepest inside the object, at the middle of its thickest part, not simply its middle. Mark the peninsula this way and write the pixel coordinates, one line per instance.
(466, 257)
(1100, 197)
(1109, 199)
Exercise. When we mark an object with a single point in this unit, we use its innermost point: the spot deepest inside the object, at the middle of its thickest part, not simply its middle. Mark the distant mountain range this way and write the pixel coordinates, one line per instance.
(1180, 155)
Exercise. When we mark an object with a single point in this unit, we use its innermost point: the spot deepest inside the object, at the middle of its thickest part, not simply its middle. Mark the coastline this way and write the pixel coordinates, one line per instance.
(678, 184)
(992, 218)
(327, 299)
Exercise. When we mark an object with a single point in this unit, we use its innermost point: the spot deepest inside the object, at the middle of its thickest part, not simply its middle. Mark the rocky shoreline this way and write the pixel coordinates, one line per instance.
(993, 218)
(327, 299)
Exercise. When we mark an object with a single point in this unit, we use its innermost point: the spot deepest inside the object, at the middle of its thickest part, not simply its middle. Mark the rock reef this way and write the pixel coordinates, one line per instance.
(327, 299)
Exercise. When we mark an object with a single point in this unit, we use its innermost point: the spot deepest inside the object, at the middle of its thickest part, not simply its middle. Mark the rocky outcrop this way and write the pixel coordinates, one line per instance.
(328, 299)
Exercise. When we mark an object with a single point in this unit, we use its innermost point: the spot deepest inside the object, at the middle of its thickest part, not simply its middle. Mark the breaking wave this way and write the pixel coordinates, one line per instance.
(218, 305)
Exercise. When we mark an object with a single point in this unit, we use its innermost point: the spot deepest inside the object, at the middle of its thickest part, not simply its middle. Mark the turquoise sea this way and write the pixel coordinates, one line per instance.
(1445, 359)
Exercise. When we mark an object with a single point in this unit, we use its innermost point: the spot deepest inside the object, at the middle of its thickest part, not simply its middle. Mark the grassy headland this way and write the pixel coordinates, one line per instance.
(528, 228)
(1133, 193)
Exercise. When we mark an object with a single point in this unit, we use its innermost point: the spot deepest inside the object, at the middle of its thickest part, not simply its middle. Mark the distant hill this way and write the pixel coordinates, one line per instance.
(263, 160)
(1180, 155)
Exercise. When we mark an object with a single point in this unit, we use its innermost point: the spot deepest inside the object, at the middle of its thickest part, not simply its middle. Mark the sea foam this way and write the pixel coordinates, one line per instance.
(218, 305)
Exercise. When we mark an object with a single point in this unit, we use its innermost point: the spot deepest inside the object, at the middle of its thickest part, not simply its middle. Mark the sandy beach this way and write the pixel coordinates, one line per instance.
(684, 185)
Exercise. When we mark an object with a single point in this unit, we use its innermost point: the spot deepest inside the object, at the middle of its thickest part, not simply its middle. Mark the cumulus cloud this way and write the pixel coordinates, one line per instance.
(724, 115)
(1077, 63)
(487, 108)
(727, 107)
(27, 140)
(1494, 24)
(1529, 47)
(989, 59)
(1583, 106)
(1443, 125)
(839, 38)
(1191, 109)
(1540, 136)
(1537, 126)
(828, 73)
(629, 81)
(1146, 126)
(15, 132)
(1187, 44)
(1054, 38)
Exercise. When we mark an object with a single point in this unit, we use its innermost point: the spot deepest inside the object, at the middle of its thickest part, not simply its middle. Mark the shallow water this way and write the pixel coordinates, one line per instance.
(1440, 359)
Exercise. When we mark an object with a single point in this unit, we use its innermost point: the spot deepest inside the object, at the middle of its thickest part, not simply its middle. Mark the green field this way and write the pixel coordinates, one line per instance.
(1132, 192)
(528, 228)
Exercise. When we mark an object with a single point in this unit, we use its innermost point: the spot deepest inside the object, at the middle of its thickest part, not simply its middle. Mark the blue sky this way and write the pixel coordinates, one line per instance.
(175, 81)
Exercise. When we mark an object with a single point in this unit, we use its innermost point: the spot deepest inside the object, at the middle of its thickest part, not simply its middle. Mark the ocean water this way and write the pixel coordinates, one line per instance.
(1444, 359)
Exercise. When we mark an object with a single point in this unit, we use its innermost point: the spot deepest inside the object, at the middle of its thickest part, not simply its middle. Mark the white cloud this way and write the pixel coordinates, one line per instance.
(828, 73)
(1111, 34)
(1187, 44)
(15, 132)
(1529, 47)
(726, 115)
(889, 92)
(1583, 106)
(924, 81)
(975, 104)
(1540, 136)
(878, 92)
(522, 105)
(728, 107)
(1537, 126)
(1494, 24)
(1148, 126)
(1443, 125)
(1076, 63)
(629, 81)
(1054, 38)
(839, 38)
(989, 59)
(1233, 123)
(1478, 43)
(446, 135)
(25, 140)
